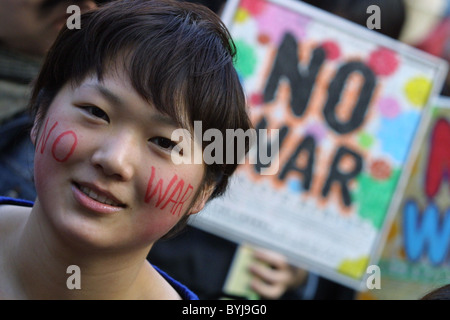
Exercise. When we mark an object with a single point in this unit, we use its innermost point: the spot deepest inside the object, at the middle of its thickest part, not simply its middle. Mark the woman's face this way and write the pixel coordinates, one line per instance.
(103, 167)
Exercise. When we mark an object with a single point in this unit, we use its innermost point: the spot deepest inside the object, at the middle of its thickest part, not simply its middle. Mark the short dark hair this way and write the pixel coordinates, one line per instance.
(178, 56)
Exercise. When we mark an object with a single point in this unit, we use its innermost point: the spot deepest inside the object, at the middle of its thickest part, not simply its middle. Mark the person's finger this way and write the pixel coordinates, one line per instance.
(266, 290)
(274, 259)
(268, 274)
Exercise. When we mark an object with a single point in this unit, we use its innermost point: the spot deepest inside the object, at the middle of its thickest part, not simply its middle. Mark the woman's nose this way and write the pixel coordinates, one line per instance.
(116, 156)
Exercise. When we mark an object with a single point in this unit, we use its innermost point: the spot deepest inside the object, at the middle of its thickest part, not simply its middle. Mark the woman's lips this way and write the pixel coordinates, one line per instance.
(96, 200)
(98, 197)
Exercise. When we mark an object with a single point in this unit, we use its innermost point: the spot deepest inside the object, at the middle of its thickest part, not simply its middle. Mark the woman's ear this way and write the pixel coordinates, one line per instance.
(202, 199)
(33, 133)
(35, 129)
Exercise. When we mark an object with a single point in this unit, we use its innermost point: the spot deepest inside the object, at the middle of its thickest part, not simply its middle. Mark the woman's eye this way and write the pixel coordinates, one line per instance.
(96, 112)
(164, 143)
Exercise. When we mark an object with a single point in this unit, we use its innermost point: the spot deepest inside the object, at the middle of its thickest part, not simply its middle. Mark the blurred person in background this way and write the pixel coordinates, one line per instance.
(215, 5)
(424, 24)
(436, 38)
(27, 30)
(393, 13)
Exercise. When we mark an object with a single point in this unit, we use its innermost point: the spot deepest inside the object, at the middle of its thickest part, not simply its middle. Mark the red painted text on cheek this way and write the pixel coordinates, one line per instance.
(174, 193)
(63, 146)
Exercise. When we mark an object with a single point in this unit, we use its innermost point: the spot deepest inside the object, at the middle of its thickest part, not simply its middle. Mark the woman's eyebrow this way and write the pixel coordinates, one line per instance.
(114, 99)
(163, 119)
(108, 95)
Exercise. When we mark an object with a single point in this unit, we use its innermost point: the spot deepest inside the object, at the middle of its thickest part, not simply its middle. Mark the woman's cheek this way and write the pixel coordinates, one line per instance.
(57, 141)
(64, 146)
(171, 195)
(55, 146)
(165, 197)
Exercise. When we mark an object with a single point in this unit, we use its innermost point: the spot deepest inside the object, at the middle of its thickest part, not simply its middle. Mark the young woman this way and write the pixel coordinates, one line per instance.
(106, 103)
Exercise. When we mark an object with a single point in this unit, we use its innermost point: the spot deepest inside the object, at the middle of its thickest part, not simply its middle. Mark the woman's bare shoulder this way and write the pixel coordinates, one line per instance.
(11, 218)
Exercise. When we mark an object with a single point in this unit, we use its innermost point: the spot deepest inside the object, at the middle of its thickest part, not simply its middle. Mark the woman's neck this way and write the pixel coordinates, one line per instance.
(50, 268)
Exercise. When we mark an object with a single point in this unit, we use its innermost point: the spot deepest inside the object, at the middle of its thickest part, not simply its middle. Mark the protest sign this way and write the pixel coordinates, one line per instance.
(346, 105)
(416, 256)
